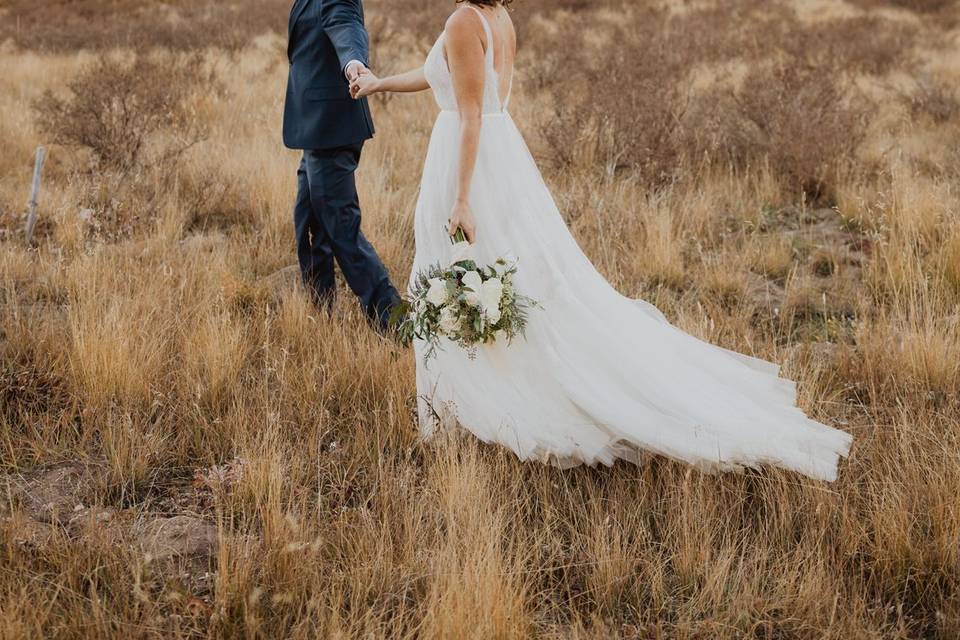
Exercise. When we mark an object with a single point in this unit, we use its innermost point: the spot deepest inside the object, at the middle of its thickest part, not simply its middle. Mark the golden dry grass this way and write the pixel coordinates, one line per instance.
(147, 337)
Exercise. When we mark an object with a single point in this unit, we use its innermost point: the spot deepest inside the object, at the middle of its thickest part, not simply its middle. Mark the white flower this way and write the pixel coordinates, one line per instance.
(449, 320)
(491, 293)
(437, 294)
(504, 264)
(472, 281)
(462, 251)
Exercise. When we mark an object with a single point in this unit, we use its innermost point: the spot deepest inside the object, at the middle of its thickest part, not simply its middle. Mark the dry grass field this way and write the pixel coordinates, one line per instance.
(189, 449)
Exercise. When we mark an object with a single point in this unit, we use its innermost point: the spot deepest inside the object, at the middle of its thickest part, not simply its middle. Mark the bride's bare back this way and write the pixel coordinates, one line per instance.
(466, 46)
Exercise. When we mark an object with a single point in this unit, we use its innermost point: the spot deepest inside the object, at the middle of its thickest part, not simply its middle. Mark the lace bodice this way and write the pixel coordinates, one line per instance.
(438, 75)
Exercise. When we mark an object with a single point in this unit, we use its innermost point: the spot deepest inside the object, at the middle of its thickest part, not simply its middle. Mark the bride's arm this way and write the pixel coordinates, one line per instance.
(465, 57)
(409, 82)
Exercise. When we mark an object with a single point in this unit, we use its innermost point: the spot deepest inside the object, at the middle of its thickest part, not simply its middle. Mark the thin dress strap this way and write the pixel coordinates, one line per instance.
(488, 30)
(491, 60)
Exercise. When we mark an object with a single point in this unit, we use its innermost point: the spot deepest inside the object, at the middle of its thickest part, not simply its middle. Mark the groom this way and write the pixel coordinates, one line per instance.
(328, 47)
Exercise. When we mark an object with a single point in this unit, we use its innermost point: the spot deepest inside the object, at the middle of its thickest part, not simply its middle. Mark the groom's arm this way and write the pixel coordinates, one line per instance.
(342, 20)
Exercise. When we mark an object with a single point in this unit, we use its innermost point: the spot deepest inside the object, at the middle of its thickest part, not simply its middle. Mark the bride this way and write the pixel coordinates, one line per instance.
(599, 376)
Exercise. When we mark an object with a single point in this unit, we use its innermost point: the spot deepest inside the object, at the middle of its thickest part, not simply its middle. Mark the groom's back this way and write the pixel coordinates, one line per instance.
(319, 113)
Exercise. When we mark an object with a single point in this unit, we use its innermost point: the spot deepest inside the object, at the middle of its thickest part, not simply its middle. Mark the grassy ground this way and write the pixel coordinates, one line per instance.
(779, 177)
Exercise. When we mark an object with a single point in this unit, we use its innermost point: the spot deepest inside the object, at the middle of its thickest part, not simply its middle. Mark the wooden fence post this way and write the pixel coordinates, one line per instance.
(35, 193)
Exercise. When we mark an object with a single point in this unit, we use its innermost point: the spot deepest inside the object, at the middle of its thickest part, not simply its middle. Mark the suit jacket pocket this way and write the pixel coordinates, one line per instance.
(329, 92)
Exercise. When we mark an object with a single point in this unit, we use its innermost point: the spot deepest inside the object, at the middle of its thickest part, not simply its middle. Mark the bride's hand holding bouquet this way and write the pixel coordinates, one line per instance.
(468, 304)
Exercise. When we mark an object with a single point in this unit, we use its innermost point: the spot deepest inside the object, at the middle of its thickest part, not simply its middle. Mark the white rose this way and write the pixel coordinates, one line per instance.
(437, 294)
(491, 293)
(462, 251)
(473, 282)
(449, 321)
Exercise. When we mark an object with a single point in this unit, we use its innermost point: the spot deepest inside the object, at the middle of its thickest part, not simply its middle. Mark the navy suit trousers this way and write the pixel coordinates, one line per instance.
(327, 222)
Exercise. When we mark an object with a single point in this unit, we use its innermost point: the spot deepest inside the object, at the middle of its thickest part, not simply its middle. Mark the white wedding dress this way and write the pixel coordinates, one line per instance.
(599, 376)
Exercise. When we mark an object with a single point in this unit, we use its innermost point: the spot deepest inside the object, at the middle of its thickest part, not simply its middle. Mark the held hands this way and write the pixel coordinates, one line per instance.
(462, 218)
(354, 70)
(364, 84)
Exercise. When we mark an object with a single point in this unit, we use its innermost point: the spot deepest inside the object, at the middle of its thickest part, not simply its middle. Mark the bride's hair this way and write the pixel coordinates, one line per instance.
(487, 3)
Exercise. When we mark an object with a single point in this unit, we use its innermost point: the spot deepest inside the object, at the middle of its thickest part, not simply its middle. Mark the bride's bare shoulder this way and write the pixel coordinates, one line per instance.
(464, 23)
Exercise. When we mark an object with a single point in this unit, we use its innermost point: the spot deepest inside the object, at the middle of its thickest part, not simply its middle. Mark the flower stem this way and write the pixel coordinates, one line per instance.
(459, 236)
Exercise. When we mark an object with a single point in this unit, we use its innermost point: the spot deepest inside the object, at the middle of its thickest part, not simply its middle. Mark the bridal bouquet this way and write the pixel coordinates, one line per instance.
(466, 303)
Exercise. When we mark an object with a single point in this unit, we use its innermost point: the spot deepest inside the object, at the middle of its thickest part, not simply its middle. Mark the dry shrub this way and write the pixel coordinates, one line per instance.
(525, 11)
(923, 6)
(714, 32)
(933, 100)
(425, 18)
(797, 119)
(865, 44)
(68, 25)
(27, 391)
(917, 6)
(632, 107)
(117, 109)
(213, 201)
(622, 109)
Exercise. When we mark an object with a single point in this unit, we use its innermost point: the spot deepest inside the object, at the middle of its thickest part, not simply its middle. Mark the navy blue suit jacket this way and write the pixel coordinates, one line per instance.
(324, 35)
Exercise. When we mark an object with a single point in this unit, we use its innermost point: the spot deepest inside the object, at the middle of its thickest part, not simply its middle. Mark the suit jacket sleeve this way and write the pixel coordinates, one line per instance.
(342, 20)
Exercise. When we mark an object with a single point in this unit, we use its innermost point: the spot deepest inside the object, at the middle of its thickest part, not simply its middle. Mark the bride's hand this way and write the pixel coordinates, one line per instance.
(462, 218)
(364, 84)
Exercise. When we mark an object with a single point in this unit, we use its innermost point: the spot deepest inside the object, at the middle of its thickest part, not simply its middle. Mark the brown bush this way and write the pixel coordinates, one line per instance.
(714, 33)
(213, 202)
(622, 109)
(117, 109)
(864, 44)
(918, 6)
(425, 18)
(68, 25)
(797, 119)
(933, 99)
(632, 108)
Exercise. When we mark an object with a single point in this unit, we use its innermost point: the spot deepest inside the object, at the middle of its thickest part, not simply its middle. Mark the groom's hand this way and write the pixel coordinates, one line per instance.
(367, 83)
(354, 70)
